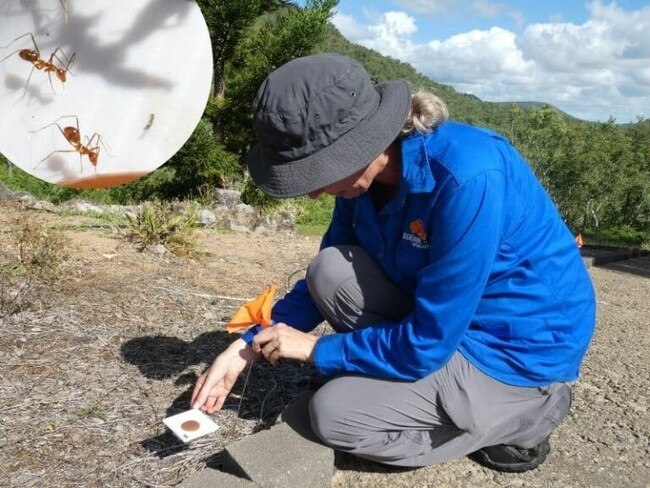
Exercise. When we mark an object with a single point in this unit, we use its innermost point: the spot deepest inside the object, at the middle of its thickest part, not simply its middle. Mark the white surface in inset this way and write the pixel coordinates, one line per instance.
(141, 78)
(175, 422)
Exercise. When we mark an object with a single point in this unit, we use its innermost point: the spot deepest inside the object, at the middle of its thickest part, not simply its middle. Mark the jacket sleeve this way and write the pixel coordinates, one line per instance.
(296, 308)
(466, 233)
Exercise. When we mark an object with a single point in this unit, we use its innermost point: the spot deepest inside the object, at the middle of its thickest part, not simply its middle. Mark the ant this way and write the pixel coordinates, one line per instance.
(33, 56)
(73, 136)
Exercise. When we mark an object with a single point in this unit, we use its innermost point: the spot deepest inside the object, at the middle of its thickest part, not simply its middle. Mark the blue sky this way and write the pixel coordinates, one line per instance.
(588, 58)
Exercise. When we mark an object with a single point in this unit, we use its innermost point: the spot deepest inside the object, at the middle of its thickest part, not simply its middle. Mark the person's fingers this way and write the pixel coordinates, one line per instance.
(212, 377)
(262, 337)
(274, 357)
(271, 351)
(214, 402)
(197, 388)
(219, 403)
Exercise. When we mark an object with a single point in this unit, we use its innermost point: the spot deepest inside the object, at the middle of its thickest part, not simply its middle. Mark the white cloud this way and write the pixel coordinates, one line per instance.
(427, 7)
(389, 36)
(485, 8)
(592, 70)
(488, 8)
(350, 27)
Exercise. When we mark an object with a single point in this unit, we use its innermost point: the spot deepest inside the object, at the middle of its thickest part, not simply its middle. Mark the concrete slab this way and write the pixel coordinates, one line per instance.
(287, 455)
(211, 478)
(601, 255)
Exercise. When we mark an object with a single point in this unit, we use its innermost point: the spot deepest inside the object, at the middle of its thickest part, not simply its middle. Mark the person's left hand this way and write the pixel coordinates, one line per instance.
(282, 341)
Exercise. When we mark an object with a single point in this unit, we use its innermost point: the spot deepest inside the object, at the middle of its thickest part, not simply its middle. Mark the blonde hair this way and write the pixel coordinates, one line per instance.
(427, 112)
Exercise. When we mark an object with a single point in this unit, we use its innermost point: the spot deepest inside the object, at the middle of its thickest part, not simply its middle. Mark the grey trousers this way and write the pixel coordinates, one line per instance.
(448, 414)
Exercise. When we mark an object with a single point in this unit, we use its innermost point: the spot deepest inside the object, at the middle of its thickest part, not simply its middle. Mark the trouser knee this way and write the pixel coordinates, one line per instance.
(328, 420)
(352, 291)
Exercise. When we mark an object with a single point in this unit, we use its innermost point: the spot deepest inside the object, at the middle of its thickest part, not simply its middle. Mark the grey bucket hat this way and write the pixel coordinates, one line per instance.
(319, 120)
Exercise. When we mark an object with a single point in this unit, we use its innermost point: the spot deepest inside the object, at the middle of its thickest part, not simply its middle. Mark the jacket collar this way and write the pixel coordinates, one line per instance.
(416, 170)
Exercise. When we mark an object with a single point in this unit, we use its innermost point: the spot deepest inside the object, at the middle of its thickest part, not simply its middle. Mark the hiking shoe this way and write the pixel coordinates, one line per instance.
(512, 459)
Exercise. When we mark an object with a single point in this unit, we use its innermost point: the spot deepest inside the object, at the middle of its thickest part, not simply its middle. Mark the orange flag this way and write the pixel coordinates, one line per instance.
(257, 311)
(579, 240)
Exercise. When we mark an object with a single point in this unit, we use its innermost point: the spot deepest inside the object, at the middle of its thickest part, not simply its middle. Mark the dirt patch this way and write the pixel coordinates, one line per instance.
(89, 371)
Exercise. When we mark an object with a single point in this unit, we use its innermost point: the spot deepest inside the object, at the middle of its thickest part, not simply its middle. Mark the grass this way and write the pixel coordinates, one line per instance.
(31, 254)
(311, 230)
(91, 411)
(158, 223)
(619, 237)
(98, 219)
(314, 213)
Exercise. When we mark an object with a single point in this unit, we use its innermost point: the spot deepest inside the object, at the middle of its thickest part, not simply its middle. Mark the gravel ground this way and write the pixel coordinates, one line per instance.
(95, 361)
(605, 441)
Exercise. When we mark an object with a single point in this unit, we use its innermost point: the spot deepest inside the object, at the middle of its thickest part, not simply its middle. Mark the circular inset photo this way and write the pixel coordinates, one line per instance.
(98, 93)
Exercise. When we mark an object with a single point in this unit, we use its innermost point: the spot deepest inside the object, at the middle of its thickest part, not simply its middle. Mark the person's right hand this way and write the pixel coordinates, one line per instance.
(213, 386)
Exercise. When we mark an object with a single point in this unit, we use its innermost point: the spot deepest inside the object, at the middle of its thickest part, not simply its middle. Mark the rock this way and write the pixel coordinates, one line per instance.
(24, 197)
(158, 249)
(82, 206)
(44, 205)
(243, 218)
(222, 215)
(229, 198)
(123, 209)
(285, 220)
(206, 217)
(5, 193)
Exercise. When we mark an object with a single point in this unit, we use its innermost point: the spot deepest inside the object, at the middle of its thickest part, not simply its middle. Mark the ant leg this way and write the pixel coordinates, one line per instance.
(27, 82)
(55, 123)
(67, 62)
(50, 155)
(76, 119)
(100, 141)
(50, 125)
(38, 52)
(49, 78)
(93, 151)
(9, 55)
(64, 6)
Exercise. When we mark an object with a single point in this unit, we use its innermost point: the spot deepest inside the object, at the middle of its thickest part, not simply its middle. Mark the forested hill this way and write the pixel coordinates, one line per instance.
(462, 106)
(597, 173)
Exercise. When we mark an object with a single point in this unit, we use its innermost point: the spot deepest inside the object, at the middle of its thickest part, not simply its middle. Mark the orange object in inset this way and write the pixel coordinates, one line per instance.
(255, 312)
(579, 241)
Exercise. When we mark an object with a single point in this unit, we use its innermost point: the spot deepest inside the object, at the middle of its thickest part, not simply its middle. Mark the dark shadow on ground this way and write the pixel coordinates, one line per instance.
(627, 260)
(347, 462)
(261, 393)
(639, 266)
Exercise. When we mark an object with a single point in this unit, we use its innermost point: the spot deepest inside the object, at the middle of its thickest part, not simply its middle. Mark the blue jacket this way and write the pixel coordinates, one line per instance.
(495, 272)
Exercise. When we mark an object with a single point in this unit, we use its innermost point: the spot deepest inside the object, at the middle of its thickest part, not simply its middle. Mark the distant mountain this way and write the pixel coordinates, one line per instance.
(529, 105)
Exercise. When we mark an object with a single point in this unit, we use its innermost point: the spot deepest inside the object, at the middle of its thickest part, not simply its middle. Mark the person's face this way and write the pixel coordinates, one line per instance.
(357, 183)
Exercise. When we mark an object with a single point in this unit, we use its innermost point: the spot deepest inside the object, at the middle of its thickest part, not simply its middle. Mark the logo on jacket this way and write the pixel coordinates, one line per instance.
(417, 235)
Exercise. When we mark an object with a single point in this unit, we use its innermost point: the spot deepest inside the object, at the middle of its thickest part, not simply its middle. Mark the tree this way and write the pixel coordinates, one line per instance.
(272, 41)
(227, 21)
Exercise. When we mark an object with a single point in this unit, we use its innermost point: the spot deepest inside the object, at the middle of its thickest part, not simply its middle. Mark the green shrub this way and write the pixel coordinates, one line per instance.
(624, 236)
(158, 223)
(253, 195)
